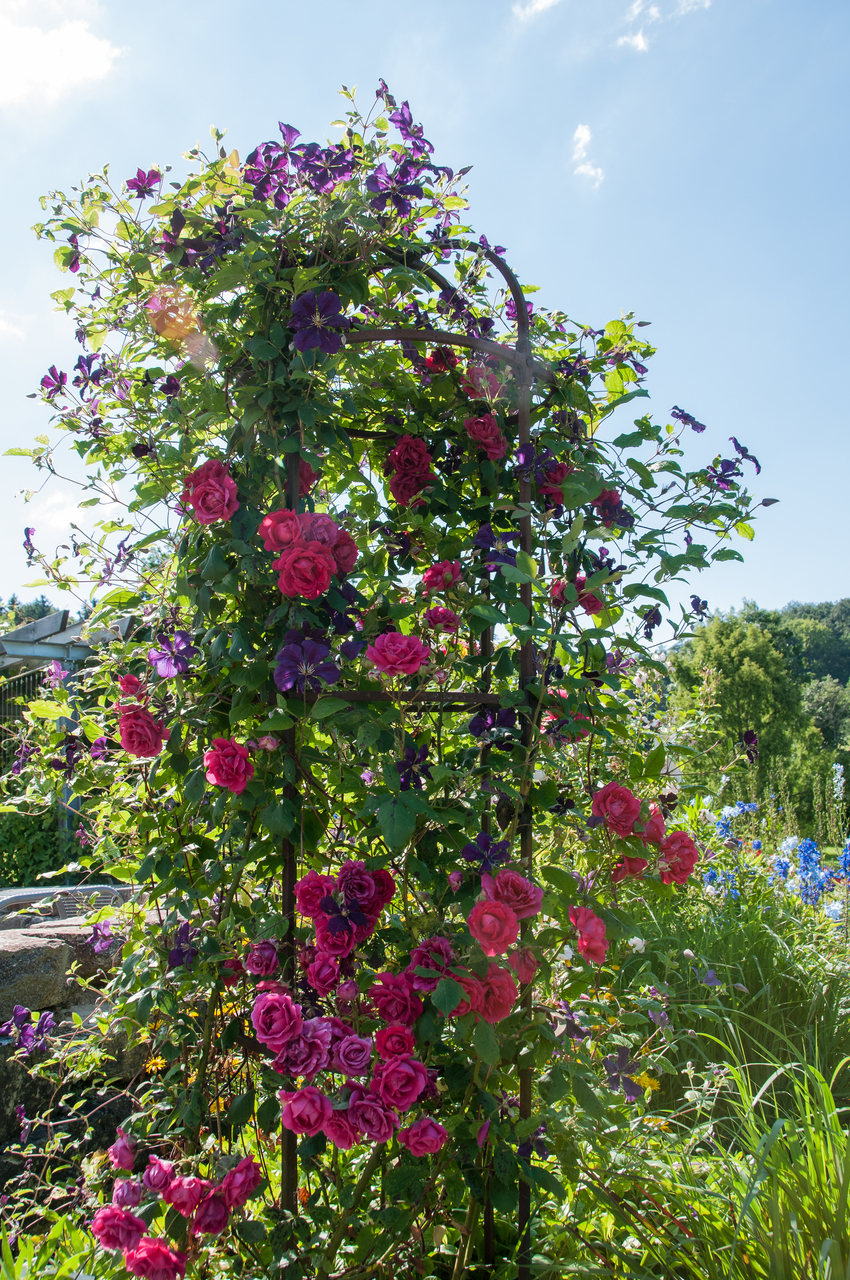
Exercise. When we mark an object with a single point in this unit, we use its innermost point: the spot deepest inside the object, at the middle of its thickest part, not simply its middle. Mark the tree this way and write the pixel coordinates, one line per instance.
(828, 703)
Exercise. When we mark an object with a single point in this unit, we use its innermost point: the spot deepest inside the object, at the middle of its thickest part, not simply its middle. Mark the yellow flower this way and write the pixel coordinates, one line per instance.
(647, 1082)
(218, 1104)
(155, 1064)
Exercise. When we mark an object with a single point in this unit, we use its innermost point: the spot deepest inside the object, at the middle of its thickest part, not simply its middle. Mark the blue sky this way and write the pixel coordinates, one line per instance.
(683, 159)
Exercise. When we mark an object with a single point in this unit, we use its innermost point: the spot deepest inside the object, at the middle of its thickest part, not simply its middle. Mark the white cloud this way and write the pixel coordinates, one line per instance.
(581, 139)
(688, 6)
(588, 171)
(532, 8)
(637, 42)
(8, 328)
(43, 65)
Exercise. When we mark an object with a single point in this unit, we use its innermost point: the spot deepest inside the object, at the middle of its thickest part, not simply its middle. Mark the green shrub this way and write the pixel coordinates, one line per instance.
(29, 846)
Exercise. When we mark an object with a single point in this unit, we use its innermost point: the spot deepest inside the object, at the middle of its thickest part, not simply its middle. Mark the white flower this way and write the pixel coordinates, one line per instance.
(789, 844)
(689, 954)
(539, 775)
(834, 911)
(568, 953)
(637, 945)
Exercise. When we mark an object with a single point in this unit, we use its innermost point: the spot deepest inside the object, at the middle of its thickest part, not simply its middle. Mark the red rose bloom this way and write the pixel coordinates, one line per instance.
(323, 974)
(279, 529)
(586, 599)
(485, 433)
(345, 552)
(592, 942)
(441, 576)
(116, 1228)
(399, 1081)
(153, 1260)
(677, 857)
(499, 994)
(424, 1137)
(442, 360)
(405, 485)
(524, 963)
(551, 488)
(318, 527)
(185, 1194)
(373, 1118)
(509, 887)
(227, 765)
(341, 1131)
(384, 890)
(494, 926)
(140, 734)
(129, 685)
(305, 1111)
(305, 569)
(409, 455)
(395, 654)
(310, 890)
(395, 1040)
(262, 959)
(210, 493)
(474, 988)
(333, 944)
(122, 1153)
(241, 1183)
(618, 806)
(395, 999)
(654, 829)
(628, 867)
(307, 477)
(211, 1216)
(440, 618)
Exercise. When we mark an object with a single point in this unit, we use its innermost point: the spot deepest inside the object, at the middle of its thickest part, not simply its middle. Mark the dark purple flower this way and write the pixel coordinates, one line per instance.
(496, 545)
(617, 664)
(53, 383)
(659, 1017)
(525, 459)
(688, 539)
(721, 477)
(750, 742)
(612, 511)
(746, 456)
(572, 1028)
(699, 607)
(26, 1125)
(54, 675)
(651, 620)
(687, 419)
(487, 852)
(267, 171)
(24, 753)
(172, 658)
(488, 720)
(412, 769)
(323, 168)
(395, 188)
(100, 749)
(369, 777)
(183, 951)
(304, 665)
(342, 917)
(315, 319)
(88, 372)
(511, 312)
(412, 133)
(534, 1144)
(620, 1071)
(351, 649)
(144, 184)
(102, 938)
(73, 262)
(709, 978)
(498, 249)
(20, 1018)
(46, 1023)
(170, 387)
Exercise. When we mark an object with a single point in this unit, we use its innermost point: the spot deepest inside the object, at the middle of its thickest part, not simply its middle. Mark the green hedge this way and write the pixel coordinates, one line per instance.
(28, 847)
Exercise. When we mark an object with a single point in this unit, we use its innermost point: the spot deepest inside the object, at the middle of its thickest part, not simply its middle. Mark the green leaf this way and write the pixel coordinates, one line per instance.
(227, 277)
(396, 821)
(561, 880)
(241, 1109)
(635, 589)
(215, 567)
(252, 1232)
(746, 530)
(195, 786)
(276, 723)
(488, 613)
(655, 761)
(726, 553)
(586, 1098)
(543, 1178)
(268, 1115)
(629, 440)
(448, 995)
(329, 707)
(243, 712)
(46, 710)
(279, 818)
(526, 564)
(555, 1085)
(486, 1043)
(512, 574)
(575, 495)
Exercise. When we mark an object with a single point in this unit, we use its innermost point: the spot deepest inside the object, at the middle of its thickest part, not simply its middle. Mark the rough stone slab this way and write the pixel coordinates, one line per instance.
(75, 933)
(33, 971)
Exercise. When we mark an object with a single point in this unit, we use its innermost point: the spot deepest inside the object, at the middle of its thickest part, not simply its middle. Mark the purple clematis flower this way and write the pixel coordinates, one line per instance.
(144, 184)
(699, 607)
(170, 387)
(709, 978)
(100, 749)
(20, 1018)
(746, 456)
(24, 753)
(26, 1125)
(721, 477)
(54, 382)
(487, 852)
(412, 769)
(323, 168)
(267, 171)
(304, 664)
(498, 249)
(183, 950)
(88, 373)
(534, 1144)
(395, 188)
(54, 675)
(687, 419)
(620, 1071)
(412, 133)
(489, 719)
(651, 619)
(496, 545)
(511, 311)
(750, 742)
(659, 1017)
(172, 658)
(314, 321)
(102, 937)
(617, 664)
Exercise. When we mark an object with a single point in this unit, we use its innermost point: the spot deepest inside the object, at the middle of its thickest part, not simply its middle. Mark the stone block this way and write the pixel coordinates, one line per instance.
(33, 971)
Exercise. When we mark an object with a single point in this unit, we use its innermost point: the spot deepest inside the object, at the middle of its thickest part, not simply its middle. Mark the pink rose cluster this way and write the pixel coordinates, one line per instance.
(491, 997)
(441, 576)
(587, 601)
(408, 466)
(621, 810)
(494, 923)
(210, 492)
(345, 910)
(207, 1207)
(312, 548)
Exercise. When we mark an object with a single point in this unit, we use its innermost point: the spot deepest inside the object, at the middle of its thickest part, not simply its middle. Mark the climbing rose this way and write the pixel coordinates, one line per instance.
(435, 954)
(129, 685)
(153, 1260)
(424, 1137)
(410, 454)
(276, 1019)
(474, 988)
(654, 829)
(185, 1194)
(210, 492)
(304, 1111)
(405, 485)
(438, 617)
(499, 994)
(485, 433)
(509, 887)
(399, 1081)
(323, 974)
(122, 1153)
(373, 1118)
(494, 926)
(345, 552)
(352, 1055)
(395, 654)
(591, 934)
(441, 576)
(618, 806)
(341, 1131)
(227, 765)
(677, 858)
(393, 1041)
(262, 959)
(310, 890)
(211, 1216)
(305, 569)
(333, 944)
(524, 963)
(127, 1194)
(395, 999)
(116, 1228)
(140, 734)
(157, 1177)
(279, 529)
(628, 867)
(307, 477)
(241, 1182)
(586, 599)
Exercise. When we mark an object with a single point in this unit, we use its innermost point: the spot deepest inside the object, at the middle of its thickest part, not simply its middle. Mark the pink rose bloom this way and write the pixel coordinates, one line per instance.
(395, 654)
(129, 685)
(628, 867)
(406, 485)
(306, 1110)
(440, 618)
(308, 1053)
(262, 959)
(276, 1019)
(339, 1129)
(384, 889)
(241, 1182)
(654, 829)
(345, 552)
(436, 954)
(352, 1055)
(677, 857)
(499, 995)
(356, 884)
(127, 1194)
(370, 1116)
(484, 432)
(480, 383)
(524, 963)
(424, 1137)
(211, 1216)
(618, 806)
(395, 999)
(393, 1041)
(210, 493)
(122, 1153)
(116, 1228)
(279, 529)
(455, 880)
(409, 455)
(158, 1175)
(347, 992)
(441, 576)
(556, 473)
(232, 970)
(323, 974)
(509, 887)
(228, 765)
(307, 477)
(399, 1081)
(474, 988)
(333, 944)
(305, 569)
(140, 734)
(592, 942)
(318, 527)
(586, 599)
(268, 742)
(185, 1194)
(310, 890)
(494, 926)
(155, 1261)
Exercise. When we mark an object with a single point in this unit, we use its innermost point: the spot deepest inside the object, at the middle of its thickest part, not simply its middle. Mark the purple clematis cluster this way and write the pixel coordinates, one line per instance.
(413, 768)
(304, 664)
(318, 322)
(26, 1036)
(687, 419)
(144, 184)
(496, 545)
(173, 656)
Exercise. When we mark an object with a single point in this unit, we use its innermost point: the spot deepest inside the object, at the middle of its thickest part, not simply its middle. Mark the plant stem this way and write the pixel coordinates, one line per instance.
(323, 1270)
